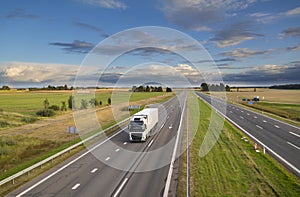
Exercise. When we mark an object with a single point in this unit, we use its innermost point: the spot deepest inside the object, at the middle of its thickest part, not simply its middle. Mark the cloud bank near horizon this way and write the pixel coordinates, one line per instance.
(24, 74)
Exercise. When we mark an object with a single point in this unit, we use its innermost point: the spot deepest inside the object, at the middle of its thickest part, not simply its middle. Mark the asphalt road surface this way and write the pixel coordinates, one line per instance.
(115, 166)
(280, 137)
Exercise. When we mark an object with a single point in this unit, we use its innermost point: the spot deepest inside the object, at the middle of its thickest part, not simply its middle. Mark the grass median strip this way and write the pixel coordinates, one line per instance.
(233, 168)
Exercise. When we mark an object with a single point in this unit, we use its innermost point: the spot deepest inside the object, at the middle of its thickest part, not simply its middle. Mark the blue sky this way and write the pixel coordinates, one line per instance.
(253, 42)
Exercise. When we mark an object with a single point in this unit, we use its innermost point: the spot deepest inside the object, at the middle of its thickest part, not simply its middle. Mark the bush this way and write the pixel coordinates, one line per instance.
(45, 113)
(28, 119)
(3, 123)
(54, 107)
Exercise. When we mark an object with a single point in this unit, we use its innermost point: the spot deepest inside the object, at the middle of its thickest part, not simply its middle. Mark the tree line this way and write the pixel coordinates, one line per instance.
(50, 87)
(286, 87)
(214, 87)
(49, 110)
(149, 89)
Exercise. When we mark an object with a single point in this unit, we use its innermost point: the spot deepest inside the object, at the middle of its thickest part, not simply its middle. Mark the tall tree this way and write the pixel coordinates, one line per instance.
(46, 104)
(227, 88)
(204, 87)
(71, 102)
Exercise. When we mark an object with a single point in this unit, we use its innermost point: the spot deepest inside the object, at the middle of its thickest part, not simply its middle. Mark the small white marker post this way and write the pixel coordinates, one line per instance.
(264, 150)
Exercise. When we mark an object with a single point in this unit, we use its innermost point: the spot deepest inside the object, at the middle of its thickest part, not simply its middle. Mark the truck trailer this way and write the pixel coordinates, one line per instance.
(142, 123)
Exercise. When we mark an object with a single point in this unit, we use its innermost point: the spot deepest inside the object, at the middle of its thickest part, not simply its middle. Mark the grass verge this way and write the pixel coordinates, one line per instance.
(232, 167)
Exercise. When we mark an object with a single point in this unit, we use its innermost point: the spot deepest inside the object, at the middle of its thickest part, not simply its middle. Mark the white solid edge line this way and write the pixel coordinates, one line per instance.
(294, 134)
(247, 133)
(293, 145)
(120, 188)
(76, 186)
(168, 182)
(150, 143)
(68, 164)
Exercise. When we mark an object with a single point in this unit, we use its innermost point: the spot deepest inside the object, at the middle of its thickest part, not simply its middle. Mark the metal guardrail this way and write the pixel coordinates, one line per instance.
(22, 172)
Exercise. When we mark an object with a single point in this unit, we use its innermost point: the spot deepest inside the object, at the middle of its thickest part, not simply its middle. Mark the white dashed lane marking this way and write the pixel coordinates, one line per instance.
(94, 170)
(241, 117)
(259, 126)
(117, 150)
(254, 117)
(107, 158)
(76, 186)
(276, 126)
(293, 145)
(125, 143)
(248, 114)
(294, 134)
(264, 121)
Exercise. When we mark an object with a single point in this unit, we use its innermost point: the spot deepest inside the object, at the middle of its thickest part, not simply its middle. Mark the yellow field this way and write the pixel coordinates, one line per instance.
(266, 95)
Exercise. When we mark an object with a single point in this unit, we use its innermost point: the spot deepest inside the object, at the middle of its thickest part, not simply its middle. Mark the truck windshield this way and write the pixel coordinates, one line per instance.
(136, 123)
(136, 126)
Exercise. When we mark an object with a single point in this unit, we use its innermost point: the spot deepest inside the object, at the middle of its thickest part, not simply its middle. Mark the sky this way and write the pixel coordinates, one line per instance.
(129, 42)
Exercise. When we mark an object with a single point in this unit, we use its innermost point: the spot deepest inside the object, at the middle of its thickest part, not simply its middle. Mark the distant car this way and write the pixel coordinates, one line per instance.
(244, 99)
(256, 98)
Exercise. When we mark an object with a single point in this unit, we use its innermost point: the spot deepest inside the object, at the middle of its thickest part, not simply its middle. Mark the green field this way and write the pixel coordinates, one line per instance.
(232, 167)
(289, 111)
(27, 103)
(19, 108)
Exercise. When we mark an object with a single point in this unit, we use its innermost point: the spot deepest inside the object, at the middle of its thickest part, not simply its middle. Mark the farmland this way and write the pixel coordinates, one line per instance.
(283, 103)
(19, 107)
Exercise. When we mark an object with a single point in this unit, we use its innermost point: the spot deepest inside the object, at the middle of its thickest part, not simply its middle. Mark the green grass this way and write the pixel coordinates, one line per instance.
(289, 111)
(27, 103)
(233, 168)
(19, 108)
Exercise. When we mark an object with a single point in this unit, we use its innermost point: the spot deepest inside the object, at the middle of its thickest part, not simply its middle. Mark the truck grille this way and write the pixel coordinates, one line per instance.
(136, 136)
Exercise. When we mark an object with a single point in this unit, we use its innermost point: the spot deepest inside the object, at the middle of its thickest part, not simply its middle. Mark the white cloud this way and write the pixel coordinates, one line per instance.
(25, 72)
(293, 48)
(198, 14)
(235, 34)
(110, 4)
(292, 12)
(243, 52)
(269, 17)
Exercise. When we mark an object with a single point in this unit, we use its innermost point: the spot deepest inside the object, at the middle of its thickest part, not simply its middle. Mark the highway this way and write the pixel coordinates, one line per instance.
(114, 166)
(282, 139)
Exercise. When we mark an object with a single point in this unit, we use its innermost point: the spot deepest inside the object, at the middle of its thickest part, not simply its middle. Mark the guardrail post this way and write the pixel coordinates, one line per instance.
(13, 181)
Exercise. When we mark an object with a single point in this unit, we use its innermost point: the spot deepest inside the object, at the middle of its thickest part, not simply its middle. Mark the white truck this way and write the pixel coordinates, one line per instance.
(142, 123)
